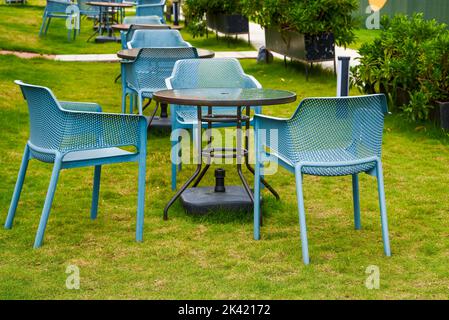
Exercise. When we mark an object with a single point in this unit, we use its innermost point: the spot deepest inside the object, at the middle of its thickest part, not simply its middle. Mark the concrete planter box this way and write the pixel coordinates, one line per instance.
(444, 114)
(300, 46)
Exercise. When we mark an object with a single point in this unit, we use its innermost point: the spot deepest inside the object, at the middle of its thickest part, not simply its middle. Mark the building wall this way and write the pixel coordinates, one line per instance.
(432, 9)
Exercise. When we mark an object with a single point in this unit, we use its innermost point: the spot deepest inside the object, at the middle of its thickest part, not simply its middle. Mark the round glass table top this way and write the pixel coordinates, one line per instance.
(225, 97)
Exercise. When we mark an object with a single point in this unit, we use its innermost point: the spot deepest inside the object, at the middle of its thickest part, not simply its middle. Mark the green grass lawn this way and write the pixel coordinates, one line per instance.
(214, 256)
(19, 26)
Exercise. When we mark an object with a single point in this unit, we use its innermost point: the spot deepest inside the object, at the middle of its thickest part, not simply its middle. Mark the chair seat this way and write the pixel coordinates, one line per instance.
(95, 154)
(332, 155)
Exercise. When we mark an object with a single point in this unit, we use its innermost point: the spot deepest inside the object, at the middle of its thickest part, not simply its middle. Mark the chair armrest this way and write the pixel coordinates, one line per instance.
(265, 120)
(94, 130)
(80, 106)
(254, 81)
(275, 140)
(59, 5)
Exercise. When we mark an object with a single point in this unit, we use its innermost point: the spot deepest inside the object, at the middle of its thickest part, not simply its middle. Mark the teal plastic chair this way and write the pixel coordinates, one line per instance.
(71, 135)
(151, 38)
(325, 137)
(147, 73)
(151, 8)
(147, 38)
(204, 73)
(59, 9)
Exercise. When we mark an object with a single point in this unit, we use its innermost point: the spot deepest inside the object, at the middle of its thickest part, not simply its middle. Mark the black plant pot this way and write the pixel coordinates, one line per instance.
(304, 47)
(444, 114)
(320, 47)
(228, 23)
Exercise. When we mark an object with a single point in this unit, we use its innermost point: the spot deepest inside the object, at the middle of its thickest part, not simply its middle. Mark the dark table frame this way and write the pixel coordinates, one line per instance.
(209, 153)
(103, 16)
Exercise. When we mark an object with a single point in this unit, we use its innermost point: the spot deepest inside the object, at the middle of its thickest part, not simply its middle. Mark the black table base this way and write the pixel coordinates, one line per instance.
(203, 200)
(239, 153)
(103, 39)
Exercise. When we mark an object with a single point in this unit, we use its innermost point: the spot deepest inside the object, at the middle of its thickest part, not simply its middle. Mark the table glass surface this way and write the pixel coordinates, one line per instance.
(225, 97)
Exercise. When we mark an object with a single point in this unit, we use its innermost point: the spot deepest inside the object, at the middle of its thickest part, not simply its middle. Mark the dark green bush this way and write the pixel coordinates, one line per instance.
(312, 17)
(409, 62)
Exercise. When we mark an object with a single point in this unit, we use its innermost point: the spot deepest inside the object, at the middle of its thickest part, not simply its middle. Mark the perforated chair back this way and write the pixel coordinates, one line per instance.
(142, 20)
(153, 65)
(146, 38)
(344, 129)
(150, 8)
(209, 73)
(46, 116)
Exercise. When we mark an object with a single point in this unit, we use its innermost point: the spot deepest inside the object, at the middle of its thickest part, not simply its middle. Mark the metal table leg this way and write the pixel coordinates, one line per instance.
(251, 169)
(239, 154)
(197, 171)
(209, 141)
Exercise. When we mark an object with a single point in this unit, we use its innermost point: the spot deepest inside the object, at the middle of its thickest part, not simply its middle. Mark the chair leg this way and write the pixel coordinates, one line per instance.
(257, 214)
(131, 103)
(18, 188)
(41, 30)
(174, 166)
(48, 25)
(141, 197)
(302, 215)
(383, 209)
(48, 202)
(95, 193)
(180, 154)
(124, 102)
(356, 200)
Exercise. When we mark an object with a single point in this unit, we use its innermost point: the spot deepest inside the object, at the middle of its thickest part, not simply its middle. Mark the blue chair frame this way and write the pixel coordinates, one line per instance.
(325, 137)
(73, 135)
(147, 73)
(57, 9)
(145, 38)
(151, 8)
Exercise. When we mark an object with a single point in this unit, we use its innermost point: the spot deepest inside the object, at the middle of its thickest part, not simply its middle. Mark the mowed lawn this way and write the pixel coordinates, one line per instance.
(19, 26)
(213, 256)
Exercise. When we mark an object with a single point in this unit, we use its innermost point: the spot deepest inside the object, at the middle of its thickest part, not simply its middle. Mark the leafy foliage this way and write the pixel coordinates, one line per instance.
(306, 16)
(409, 62)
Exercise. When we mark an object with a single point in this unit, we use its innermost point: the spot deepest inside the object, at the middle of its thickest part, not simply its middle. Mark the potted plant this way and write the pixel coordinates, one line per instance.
(304, 29)
(224, 16)
(409, 62)
(434, 76)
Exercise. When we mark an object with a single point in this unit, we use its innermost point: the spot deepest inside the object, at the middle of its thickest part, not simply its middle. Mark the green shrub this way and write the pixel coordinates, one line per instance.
(312, 17)
(409, 62)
